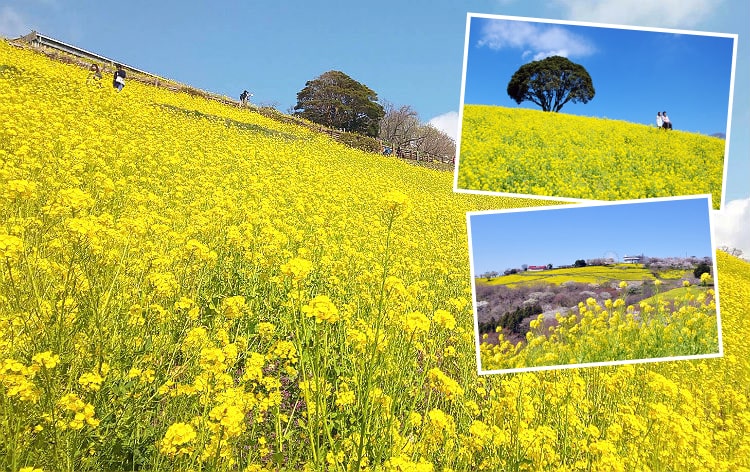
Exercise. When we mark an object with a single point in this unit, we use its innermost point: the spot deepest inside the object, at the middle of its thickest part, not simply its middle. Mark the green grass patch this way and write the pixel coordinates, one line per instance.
(676, 294)
(228, 121)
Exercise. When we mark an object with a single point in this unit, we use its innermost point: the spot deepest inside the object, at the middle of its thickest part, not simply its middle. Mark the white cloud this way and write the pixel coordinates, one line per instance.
(663, 13)
(537, 40)
(732, 225)
(12, 24)
(447, 123)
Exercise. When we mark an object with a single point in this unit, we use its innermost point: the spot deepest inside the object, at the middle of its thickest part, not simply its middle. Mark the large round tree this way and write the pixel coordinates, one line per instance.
(551, 83)
(336, 100)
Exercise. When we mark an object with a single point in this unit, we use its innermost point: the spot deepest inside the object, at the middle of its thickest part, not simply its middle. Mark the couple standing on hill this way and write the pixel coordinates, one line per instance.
(662, 120)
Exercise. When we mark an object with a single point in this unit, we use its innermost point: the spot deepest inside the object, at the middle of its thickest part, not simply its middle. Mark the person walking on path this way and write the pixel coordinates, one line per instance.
(244, 96)
(659, 120)
(667, 123)
(119, 79)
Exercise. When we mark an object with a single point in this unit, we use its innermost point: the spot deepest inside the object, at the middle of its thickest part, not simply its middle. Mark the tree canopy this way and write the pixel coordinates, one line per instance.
(336, 100)
(551, 83)
(401, 127)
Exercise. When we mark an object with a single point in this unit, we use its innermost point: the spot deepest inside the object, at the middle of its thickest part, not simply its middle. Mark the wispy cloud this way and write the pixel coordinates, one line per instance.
(730, 225)
(664, 13)
(447, 123)
(534, 40)
(12, 24)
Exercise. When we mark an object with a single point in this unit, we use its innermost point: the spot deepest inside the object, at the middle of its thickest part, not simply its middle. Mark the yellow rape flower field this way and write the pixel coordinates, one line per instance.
(605, 332)
(531, 152)
(591, 274)
(187, 286)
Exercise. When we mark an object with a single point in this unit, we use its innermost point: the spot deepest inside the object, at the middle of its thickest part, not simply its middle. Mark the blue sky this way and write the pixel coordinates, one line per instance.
(560, 236)
(410, 53)
(635, 72)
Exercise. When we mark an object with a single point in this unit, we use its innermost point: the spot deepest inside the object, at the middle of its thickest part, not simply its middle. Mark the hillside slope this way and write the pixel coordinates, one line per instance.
(590, 274)
(179, 279)
(531, 152)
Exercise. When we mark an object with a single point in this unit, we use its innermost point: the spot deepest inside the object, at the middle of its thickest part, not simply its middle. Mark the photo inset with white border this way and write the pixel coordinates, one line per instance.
(594, 284)
(582, 111)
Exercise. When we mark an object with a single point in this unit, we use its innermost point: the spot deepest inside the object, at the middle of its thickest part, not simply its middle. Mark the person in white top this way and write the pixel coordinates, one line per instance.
(659, 120)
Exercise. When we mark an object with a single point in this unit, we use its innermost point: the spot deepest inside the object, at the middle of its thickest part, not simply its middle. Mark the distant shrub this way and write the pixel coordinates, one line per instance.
(365, 143)
(586, 294)
(633, 289)
(564, 299)
(542, 296)
(193, 92)
(512, 320)
(703, 268)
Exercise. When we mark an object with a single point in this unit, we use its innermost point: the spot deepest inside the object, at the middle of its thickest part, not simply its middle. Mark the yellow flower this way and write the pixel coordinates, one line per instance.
(82, 412)
(415, 419)
(345, 398)
(445, 319)
(213, 359)
(10, 246)
(322, 309)
(417, 321)
(233, 306)
(265, 330)
(91, 380)
(46, 359)
(396, 199)
(177, 440)
(446, 385)
(297, 268)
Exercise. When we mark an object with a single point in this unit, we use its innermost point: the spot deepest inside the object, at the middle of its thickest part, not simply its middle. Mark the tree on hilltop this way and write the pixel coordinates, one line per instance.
(436, 141)
(551, 83)
(489, 275)
(401, 127)
(336, 100)
(732, 251)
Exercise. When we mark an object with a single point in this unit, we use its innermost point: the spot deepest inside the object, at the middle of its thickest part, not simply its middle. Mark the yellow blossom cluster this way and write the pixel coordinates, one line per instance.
(555, 154)
(610, 331)
(160, 257)
(83, 413)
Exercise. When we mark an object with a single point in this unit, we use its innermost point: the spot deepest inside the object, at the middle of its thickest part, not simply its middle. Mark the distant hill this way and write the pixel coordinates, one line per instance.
(719, 135)
(589, 274)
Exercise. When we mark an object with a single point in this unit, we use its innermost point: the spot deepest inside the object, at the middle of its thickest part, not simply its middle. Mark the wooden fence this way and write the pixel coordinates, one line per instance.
(403, 153)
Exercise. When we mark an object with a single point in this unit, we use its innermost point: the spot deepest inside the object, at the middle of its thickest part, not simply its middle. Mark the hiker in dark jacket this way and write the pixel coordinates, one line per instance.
(119, 79)
(244, 96)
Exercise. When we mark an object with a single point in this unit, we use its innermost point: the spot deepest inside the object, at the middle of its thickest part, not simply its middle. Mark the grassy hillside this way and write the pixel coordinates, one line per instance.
(679, 293)
(594, 274)
(554, 154)
(179, 280)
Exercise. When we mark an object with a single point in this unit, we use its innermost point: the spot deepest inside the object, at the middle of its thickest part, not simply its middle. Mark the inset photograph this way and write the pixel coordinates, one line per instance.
(581, 111)
(594, 284)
